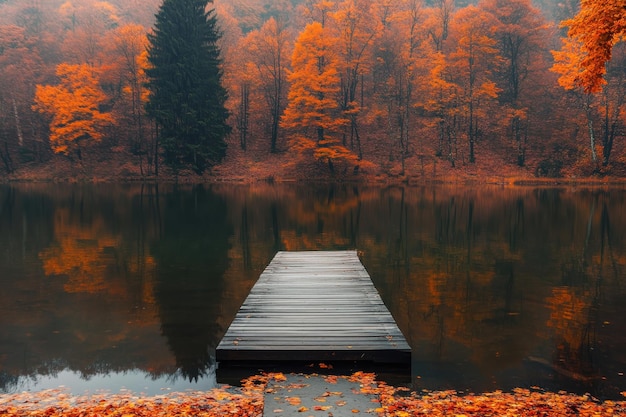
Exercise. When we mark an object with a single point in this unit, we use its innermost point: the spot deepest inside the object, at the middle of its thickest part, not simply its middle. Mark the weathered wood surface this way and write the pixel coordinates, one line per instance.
(314, 306)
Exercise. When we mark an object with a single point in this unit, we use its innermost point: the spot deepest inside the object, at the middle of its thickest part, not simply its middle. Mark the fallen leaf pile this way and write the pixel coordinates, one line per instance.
(247, 401)
(520, 402)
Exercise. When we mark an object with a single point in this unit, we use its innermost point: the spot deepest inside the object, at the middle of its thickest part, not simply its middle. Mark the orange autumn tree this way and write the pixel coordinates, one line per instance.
(567, 63)
(586, 68)
(127, 46)
(74, 105)
(313, 99)
(473, 62)
(441, 97)
(604, 110)
(354, 29)
(521, 33)
(402, 59)
(269, 49)
(87, 23)
(598, 26)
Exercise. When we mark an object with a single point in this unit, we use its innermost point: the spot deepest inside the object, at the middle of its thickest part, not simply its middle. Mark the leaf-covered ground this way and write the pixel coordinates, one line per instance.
(248, 401)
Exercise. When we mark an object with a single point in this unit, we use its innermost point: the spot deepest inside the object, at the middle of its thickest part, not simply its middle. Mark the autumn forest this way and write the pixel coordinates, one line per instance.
(317, 89)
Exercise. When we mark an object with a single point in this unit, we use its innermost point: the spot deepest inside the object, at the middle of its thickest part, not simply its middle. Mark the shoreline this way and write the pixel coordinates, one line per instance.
(257, 391)
(366, 181)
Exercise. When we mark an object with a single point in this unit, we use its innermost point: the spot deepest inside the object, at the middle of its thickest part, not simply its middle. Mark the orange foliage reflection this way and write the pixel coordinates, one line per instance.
(569, 318)
(86, 254)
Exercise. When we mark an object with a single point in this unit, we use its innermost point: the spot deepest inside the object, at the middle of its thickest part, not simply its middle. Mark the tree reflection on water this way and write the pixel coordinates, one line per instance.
(192, 254)
(493, 287)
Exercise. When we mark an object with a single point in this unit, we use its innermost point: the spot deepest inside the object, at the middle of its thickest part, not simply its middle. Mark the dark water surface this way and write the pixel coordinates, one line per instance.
(110, 286)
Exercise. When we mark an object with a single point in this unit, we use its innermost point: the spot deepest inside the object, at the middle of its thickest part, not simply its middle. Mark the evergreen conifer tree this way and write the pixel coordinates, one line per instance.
(187, 98)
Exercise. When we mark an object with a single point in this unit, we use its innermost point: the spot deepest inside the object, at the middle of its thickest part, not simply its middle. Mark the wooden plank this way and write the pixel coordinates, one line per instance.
(314, 306)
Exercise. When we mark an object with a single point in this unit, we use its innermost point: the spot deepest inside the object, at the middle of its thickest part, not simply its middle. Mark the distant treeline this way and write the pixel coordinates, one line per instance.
(353, 85)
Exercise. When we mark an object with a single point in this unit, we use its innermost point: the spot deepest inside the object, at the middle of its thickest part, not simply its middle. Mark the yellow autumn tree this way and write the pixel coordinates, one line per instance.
(74, 106)
(313, 100)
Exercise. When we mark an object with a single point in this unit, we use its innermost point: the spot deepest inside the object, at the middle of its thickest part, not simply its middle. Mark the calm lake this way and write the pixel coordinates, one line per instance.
(131, 286)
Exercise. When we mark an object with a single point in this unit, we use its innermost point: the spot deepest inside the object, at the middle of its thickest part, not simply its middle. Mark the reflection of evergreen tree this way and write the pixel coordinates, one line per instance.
(191, 257)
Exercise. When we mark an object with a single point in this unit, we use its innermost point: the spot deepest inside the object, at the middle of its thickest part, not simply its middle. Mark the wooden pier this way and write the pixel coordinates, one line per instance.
(314, 306)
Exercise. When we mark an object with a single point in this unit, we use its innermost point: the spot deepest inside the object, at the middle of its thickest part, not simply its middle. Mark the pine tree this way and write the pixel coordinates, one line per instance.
(187, 99)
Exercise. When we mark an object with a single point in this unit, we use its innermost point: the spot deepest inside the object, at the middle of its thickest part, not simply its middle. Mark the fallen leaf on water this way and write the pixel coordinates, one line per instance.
(248, 401)
(279, 376)
(331, 379)
(294, 400)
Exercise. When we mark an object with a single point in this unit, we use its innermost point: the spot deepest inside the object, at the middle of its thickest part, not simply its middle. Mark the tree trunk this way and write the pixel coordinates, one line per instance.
(244, 115)
(452, 142)
(355, 134)
(592, 140)
(320, 135)
(520, 139)
(472, 138)
(18, 125)
(592, 136)
(6, 157)
(156, 152)
(611, 123)
(442, 135)
(275, 124)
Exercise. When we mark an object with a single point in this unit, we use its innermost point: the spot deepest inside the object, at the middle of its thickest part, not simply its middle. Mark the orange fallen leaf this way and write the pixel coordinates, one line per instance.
(248, 401)
(279, 376)
(293, 400)
(331, 379)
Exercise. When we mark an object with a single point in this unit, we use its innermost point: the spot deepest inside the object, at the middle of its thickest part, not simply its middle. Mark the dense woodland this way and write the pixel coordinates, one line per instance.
(350, 89)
